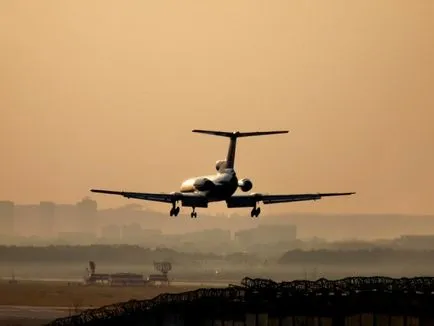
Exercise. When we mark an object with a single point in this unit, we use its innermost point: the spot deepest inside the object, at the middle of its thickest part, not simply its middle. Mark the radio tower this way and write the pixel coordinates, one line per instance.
(163, 267)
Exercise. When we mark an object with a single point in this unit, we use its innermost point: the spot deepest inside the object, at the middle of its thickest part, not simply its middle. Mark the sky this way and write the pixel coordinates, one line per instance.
(104, 94)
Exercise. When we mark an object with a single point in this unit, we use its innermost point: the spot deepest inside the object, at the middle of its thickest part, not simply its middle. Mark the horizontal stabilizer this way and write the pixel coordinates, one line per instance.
(237, 134)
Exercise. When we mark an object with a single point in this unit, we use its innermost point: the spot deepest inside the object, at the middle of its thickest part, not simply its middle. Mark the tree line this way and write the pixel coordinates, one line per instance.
(140, 255)
(360, 256)
(101, 253)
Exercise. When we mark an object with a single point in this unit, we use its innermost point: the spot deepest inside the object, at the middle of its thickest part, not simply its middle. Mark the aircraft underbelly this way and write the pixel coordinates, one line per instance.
(221, 192)
(212, 187)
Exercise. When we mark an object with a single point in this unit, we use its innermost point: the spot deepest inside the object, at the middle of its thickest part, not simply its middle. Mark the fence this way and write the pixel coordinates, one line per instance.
(257, 302)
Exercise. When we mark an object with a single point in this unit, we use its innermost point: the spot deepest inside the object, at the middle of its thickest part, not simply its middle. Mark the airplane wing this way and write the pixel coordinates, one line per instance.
(251, 199)
(163, 198)
(189, 199)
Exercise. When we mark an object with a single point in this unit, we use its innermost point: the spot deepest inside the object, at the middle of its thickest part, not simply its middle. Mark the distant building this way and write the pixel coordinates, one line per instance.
(111, 234)
(416, 241)
(208, 236)
(7, 216)
(29, 218)
(133, 233)
(47, 218)
(77, 238)
(87, 215)
(267, 234)
(66, 215)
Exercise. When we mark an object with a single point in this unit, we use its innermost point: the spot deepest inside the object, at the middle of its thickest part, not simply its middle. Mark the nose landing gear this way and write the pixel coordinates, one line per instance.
(255, 211)
(193, 213)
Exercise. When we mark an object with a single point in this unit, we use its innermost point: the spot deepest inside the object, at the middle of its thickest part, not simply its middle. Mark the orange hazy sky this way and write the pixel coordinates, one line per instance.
(104, 94)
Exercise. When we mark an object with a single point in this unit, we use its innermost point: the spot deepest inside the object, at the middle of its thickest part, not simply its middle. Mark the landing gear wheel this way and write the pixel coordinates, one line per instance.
(174, 211)
(258, 211)
(193, 213)
(255, 212)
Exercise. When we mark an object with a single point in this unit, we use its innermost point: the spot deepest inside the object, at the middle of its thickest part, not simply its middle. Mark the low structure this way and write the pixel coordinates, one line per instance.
(164, 268)
(129, 279)
(97, 278)
(158, 279)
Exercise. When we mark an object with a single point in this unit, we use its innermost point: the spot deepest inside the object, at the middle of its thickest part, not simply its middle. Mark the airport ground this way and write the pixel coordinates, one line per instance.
(215, 274)
(67, 294)
(46, 291)
(36, 302)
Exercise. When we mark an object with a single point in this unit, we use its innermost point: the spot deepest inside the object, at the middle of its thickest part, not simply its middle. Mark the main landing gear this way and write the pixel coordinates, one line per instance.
(255, 211)
(174, 211)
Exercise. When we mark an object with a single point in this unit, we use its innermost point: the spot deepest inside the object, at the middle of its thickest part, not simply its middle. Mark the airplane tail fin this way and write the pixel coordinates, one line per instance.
(230, 158)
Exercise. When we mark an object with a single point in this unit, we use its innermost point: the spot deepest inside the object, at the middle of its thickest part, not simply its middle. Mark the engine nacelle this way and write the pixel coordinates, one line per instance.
(203, 184)
(220, 165)
(245, 184)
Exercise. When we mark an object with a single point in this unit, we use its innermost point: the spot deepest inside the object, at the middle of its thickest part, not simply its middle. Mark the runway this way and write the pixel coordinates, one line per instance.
(199, 283)
(33, 312)
(36, 315)
(42, 314)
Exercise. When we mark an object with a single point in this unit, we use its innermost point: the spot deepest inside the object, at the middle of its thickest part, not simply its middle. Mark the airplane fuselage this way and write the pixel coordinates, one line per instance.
(216, 187)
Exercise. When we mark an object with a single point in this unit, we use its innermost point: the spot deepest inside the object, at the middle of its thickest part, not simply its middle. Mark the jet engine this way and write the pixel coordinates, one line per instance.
(203, 184)
(245, 184)
(220, 165)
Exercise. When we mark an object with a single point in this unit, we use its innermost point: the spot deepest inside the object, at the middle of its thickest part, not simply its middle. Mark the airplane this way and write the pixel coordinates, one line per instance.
(200, 191)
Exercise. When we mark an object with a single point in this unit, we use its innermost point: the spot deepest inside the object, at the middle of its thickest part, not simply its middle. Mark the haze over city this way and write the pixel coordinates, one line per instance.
(105, 94)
